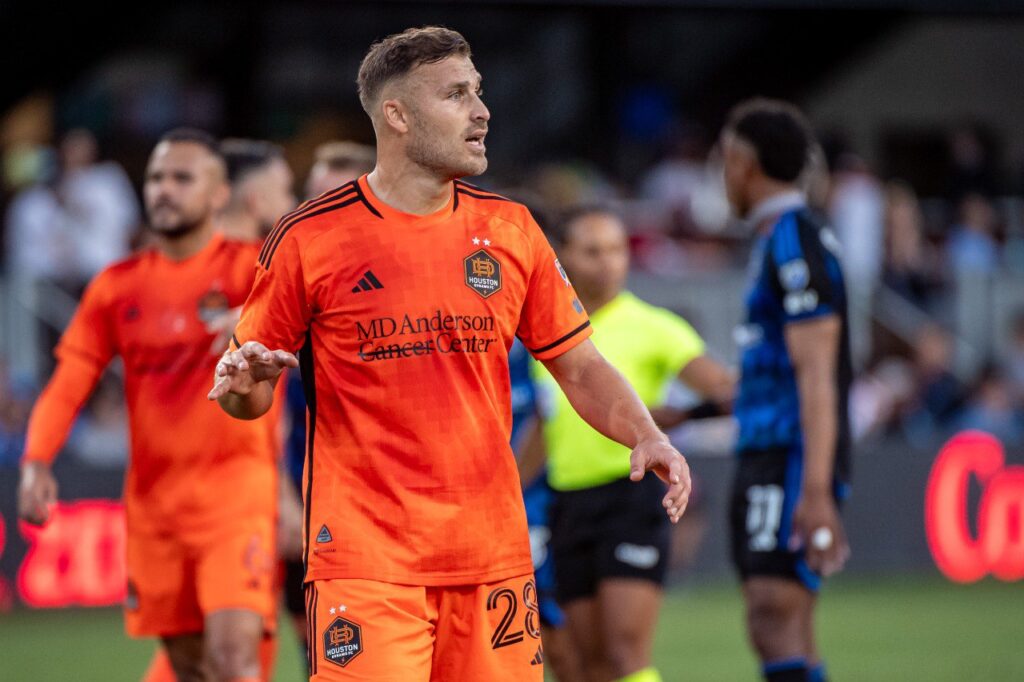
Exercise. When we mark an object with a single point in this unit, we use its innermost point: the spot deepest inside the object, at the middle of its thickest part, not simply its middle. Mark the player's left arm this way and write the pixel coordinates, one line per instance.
(813, 349)
(606, 401)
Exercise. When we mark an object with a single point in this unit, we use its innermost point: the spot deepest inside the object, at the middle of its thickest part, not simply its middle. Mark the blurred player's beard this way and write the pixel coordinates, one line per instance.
(182, 226)
(429, 150)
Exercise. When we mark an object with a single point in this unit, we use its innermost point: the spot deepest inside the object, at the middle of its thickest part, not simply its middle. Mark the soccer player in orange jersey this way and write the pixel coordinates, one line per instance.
(402, 292)
(200, 488)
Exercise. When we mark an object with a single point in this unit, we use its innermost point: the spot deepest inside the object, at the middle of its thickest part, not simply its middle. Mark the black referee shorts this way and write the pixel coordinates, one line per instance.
(616, 530)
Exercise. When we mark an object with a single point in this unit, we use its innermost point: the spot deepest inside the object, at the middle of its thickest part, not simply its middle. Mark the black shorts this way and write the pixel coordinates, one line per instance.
(765, 492)
(294, 590)
(617, 530)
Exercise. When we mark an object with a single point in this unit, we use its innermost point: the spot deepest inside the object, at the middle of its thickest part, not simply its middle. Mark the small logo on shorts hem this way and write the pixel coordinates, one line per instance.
(324, 535)
(343, 641)
(638, 556)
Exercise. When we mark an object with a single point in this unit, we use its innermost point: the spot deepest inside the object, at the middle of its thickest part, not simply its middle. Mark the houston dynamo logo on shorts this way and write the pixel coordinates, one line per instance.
(343, 641)
(483, 273)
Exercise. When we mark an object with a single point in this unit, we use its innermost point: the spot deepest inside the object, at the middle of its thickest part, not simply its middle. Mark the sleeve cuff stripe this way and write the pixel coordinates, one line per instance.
(562, 340)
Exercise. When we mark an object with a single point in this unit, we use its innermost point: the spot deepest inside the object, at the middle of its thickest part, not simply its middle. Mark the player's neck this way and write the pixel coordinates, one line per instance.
(185, 246)
(409, 188)
(239, 225)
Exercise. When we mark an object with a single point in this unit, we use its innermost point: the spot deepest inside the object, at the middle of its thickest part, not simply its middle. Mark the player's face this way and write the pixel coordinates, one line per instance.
(737, 163)
(447, 118)
(596, 254)
(272, 193)
(184, 187)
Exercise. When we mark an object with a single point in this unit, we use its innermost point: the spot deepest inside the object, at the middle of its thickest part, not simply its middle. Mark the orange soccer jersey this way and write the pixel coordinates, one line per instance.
(192, 466)
(404, 324)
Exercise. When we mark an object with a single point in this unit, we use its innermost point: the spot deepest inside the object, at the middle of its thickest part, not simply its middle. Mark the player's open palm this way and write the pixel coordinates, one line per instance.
(670, 466)
(37, 493)
(241, 370)
(819, 530)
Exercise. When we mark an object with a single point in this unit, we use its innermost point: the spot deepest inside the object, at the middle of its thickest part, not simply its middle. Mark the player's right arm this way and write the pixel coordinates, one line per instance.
(273, 323)
(84, 351)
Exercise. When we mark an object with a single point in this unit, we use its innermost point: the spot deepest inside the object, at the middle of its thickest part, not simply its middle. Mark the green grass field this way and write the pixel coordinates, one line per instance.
(896, 629)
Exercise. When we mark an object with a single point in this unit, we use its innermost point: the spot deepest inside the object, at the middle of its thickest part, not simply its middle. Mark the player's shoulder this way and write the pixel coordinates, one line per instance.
(342, 205)
(483, 201)
(795, 233)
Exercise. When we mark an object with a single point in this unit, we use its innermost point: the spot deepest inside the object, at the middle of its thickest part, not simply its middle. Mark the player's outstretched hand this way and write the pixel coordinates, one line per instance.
(37, 493)
(240, 370)
(819, 531)
(670, 466)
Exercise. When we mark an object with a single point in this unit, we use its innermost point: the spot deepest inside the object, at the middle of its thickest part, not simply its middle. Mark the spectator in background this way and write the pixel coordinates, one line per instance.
(939, 395)
(907, 268)
(35, 243)
(72, 223)
(972, 248)
(991, 408)
(1013, 363)
(856, 210)
(99, 206)
(337, 163)
(971, 168)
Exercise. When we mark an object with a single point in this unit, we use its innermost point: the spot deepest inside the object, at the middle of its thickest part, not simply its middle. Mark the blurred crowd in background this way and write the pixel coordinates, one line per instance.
(71, 166)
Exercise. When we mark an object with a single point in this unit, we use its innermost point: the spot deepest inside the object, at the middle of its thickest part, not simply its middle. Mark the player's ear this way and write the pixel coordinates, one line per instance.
(221, 196)
(395, 115)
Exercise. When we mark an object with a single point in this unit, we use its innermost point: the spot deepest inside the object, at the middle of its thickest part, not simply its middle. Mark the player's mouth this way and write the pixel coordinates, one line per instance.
(476, 141)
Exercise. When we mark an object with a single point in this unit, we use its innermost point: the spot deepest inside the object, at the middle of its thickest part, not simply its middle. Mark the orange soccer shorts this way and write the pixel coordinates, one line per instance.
(368, 630)
(175, 579)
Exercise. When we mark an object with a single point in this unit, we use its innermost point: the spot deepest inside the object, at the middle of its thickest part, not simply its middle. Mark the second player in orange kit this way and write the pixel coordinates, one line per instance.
(200, 555)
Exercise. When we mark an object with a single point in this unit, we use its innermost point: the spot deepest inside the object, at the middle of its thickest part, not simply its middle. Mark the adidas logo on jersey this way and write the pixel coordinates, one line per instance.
(367, 282)
(538, 658)
(324, 535)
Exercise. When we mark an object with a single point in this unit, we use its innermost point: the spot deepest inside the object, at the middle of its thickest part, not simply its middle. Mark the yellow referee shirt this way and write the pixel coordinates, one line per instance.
(649, 345)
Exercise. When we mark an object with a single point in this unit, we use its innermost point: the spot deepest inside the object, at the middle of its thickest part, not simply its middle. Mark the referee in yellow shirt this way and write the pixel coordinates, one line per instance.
(610, 537)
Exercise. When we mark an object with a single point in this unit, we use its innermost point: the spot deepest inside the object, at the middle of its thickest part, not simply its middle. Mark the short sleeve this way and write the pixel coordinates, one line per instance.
(680, 343)
(800, 274)
(553, 320)
(90, 335)
(277, 312)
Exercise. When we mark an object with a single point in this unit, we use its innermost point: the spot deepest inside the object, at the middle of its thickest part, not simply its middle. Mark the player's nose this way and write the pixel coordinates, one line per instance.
(480, 111)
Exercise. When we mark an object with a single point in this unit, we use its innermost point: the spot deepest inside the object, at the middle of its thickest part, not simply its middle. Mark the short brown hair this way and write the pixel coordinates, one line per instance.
(400, 53)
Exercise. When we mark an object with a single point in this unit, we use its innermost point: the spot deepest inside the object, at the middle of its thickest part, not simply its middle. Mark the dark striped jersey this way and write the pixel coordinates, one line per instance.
(796, 277)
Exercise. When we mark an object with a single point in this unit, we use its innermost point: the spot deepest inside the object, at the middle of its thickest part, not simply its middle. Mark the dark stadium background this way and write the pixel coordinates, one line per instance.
(916, 102)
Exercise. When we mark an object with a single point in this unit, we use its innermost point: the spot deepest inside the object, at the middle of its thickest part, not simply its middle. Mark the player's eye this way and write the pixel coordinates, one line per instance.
(480, 92)
(457, 95)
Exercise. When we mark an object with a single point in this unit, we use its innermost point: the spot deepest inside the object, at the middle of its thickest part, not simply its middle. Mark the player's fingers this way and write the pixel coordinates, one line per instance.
(220, 388)
(285, 359)
(254, 350)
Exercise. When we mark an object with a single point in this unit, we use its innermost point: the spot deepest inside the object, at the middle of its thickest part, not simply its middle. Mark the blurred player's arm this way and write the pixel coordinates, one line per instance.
(605, 400)
(712, 381)
(85, 349)
(814, 348)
